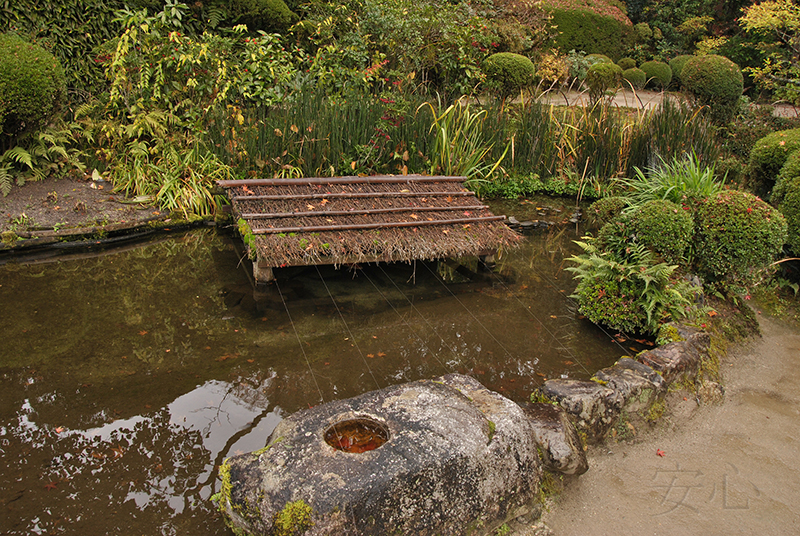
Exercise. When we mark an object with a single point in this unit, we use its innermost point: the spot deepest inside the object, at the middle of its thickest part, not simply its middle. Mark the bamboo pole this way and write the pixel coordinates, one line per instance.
(356, 212)
(366, 226)
(314, 181)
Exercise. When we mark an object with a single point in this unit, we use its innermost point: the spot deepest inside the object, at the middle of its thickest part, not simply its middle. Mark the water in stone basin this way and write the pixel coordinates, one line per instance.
(126, 379)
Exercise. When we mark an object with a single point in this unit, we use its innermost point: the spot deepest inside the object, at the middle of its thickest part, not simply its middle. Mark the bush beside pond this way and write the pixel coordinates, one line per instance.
(737, 235)
(714, 81)
(768, 156)
(32, 87)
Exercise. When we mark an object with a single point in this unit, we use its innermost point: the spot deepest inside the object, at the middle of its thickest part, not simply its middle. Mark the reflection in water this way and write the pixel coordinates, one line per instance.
(127, 379)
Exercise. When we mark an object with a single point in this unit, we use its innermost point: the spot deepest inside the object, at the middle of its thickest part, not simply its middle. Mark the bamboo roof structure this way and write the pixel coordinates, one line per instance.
(345, 220)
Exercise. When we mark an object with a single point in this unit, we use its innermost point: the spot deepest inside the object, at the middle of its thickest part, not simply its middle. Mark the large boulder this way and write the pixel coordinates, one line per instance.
(429, 457)
(559, 443)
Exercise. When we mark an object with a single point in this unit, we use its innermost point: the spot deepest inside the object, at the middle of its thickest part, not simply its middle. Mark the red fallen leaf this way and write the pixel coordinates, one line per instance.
(50, 485)
(661, 453)
(381, 354)
(370, 355)
(60, 429)
(143, 332)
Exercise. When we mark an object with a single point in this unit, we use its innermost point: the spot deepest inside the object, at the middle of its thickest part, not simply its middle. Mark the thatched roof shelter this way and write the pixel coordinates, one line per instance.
(344, 220)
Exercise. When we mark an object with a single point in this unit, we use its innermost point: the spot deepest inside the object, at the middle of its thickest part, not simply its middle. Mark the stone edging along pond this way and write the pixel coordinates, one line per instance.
(442, 456)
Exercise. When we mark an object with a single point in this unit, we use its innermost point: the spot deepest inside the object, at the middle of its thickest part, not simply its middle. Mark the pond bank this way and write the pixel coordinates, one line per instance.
(721, 468)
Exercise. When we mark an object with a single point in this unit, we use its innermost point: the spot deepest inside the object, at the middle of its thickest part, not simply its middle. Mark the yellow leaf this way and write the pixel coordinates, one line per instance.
(294, 129)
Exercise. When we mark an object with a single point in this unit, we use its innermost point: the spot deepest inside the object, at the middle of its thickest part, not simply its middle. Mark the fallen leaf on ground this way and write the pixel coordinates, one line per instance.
(661, 453)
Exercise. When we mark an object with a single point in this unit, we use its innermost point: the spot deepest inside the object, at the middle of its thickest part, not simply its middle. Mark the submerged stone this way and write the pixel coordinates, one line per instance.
(561, 447)
(433, 457)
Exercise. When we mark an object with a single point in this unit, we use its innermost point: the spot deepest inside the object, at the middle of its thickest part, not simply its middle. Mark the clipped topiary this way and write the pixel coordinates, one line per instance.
(661, 226)
(627, 63)
(736, 236)
(32, 87)
(716, 82)
(637, 78)
(587, 30)
(676, 64)
(598, 58)
(788, 173)
(602, 77)
(659, 74)
(790, 207)
(768, 156)
(509, 71)
(604, 210)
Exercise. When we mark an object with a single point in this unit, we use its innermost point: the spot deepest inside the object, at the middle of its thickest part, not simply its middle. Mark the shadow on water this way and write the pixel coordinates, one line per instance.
(126, 379)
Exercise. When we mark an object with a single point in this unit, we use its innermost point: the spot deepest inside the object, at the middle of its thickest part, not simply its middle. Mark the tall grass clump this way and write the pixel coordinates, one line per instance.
(671, 128)
(684, 180)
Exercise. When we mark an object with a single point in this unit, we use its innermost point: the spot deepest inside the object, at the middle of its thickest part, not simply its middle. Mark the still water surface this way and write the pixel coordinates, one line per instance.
(127, 378)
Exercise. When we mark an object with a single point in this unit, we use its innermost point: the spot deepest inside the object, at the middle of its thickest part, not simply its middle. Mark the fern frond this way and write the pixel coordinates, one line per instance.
(6, 180)
(19, 155)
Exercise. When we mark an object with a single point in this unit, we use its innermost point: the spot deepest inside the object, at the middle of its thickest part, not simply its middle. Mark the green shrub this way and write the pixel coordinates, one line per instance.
(604, 210)
(32, 87)
(684, 180)
(790, 207)
(264, 15)
(716, 82)
(788, 173)
(659, 74)
(768, 156)
(602, 77)
(633, 295)
(676, 64)
(627, 63)
(511, 72)
(736, 235)
(591, 32)
(598, 58)
(662, 226)
(637, 78)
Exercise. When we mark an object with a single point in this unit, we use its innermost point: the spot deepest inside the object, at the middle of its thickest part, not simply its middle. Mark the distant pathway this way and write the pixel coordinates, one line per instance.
(726, 469)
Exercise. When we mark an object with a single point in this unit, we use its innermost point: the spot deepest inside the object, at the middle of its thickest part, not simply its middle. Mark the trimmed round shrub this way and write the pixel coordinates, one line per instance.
(627, 63)
(613, 303)
(601, 77)
(663, 227)
(511, 72)
(32, 87)
(736, 235)
(788, 173)
(659, 74)
(604, 210)
(768, 156)
(716, 82)
(790, 207)
(598, 58)
(579, 29)
(676, 64)
(635, 77)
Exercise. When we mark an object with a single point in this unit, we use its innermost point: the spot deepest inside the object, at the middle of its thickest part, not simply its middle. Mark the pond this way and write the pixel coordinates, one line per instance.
(127, 378)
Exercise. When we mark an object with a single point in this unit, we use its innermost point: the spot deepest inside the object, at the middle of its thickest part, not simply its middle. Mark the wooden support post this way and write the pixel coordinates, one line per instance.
(262, 272)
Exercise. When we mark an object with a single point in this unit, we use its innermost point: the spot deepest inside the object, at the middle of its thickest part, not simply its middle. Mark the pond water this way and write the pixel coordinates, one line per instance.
(127, 378)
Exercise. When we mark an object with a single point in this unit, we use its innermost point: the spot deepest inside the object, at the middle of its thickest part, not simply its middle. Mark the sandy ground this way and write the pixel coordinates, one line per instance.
(721, 469)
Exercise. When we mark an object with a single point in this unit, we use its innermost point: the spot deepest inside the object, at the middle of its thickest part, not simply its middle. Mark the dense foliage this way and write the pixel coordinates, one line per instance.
(603, 77)
(605, 209)
(790, 207)
(716, 82)
(632, 294)
(510, 72)
(582, 29)
(737, 236)
(768, 156)
(659, 74)
(627, 63)
(636, 77)
(662, 226)
(676, 64)
(32, 87)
